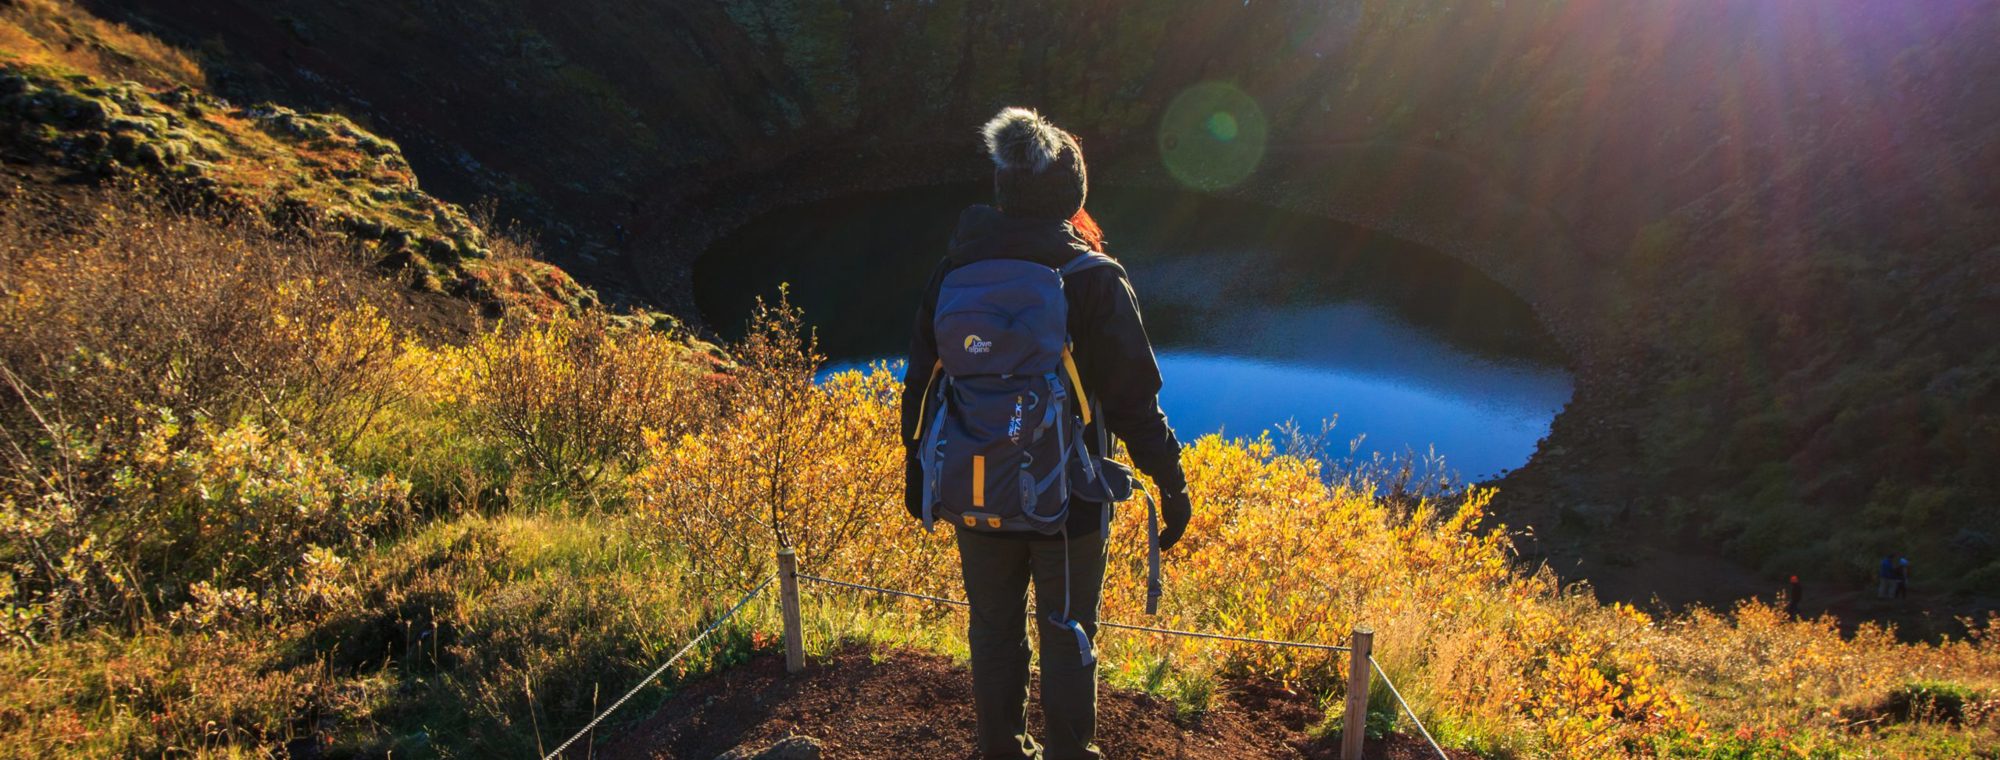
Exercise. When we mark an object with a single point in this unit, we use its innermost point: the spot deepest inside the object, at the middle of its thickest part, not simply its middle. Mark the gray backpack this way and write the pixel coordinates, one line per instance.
(1000, 443)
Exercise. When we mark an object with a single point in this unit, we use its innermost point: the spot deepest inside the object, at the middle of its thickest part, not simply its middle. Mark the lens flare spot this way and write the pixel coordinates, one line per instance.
(1222, 126)
(1212, 136)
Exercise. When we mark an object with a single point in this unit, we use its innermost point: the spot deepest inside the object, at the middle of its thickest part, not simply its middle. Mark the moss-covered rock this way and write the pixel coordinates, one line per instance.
(290, 167)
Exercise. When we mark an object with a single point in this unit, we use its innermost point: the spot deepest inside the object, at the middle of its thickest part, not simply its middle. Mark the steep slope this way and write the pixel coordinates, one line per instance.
(1760, 228)
(68, 106)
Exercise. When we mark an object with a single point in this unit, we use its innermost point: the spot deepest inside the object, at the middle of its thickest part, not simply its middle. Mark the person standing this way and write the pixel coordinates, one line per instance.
(1793, 593)
(1039, 187)
(1902, 577)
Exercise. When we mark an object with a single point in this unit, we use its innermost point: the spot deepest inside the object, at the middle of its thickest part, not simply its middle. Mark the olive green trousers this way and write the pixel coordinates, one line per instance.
(997, 571)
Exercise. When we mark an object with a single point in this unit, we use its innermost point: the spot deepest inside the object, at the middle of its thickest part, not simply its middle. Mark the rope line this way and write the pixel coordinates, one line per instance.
(1222, 637)
(1106, 624)
(957, 603)
(663, 666)
(1406, 707)
(880, 590)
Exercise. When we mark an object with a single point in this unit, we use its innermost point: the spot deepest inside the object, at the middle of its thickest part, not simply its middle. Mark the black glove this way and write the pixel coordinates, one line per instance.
(913, 485)
(1175, 509)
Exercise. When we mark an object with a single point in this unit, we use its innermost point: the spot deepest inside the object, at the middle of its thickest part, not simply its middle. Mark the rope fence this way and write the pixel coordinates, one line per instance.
(1360, 649)
(1406, 706)
(1101, 623)
(1222, 637)
(689, 647)
(880, 590)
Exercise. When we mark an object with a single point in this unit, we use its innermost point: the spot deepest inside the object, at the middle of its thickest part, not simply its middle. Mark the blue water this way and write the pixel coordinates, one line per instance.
(1257, 318)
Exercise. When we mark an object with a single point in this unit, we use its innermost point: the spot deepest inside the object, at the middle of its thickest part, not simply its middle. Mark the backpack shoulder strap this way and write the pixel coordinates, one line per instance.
(1089, 260)
(1076, 382)
(1083, 261)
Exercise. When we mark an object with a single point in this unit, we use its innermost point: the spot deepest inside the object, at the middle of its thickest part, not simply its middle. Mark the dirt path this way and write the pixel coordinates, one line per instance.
(863, 704)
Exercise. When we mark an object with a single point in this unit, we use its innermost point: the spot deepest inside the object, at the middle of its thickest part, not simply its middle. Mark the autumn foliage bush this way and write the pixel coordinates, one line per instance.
(788, 461)
(570, 402)
(171, 409)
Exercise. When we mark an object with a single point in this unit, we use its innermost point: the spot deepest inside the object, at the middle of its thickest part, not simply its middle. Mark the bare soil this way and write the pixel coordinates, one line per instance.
(862, 703)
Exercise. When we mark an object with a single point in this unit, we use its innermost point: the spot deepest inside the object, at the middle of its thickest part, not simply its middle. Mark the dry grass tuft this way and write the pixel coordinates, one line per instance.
(59, 33)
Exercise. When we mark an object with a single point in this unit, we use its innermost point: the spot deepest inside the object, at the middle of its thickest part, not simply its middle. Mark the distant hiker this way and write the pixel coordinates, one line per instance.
(1902, 576)
(1028, 355)
(1793, 593)
(1887, 575)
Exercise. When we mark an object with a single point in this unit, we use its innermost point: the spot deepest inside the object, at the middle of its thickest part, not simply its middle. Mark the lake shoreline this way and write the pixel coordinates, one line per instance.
(1257, 317)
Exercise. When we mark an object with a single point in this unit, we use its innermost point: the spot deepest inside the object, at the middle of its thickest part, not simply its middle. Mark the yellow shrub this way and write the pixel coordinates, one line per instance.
(1280, 549)
(790, 461)
(568, 401)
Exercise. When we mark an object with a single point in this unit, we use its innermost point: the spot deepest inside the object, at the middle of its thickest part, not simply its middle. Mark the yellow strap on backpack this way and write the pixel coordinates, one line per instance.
(917, 430)
(1076, 381)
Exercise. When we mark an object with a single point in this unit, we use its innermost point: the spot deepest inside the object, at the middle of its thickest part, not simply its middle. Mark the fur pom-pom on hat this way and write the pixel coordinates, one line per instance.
(1019, 138)
(1038, 168)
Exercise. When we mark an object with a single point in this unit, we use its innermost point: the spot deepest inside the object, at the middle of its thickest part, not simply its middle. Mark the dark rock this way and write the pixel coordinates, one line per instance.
(149, 154)
(82, 111)
(124, 146)
(437, 248)
(788, 748)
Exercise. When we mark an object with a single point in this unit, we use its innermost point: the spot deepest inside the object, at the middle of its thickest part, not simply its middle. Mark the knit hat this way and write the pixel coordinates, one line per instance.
(1037, 169)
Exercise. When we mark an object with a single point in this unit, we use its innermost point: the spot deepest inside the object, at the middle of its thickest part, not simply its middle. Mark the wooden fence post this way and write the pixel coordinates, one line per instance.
(788, 595)
(1354, 725)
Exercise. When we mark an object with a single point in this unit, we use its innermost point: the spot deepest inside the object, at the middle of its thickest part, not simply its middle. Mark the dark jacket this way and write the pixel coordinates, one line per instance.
(1113, 355)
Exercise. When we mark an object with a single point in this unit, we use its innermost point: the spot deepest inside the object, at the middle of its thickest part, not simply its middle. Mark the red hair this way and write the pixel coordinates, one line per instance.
(1087, 229)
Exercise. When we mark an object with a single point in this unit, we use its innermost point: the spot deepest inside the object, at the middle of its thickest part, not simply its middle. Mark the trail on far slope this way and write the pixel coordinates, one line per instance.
(865, 704)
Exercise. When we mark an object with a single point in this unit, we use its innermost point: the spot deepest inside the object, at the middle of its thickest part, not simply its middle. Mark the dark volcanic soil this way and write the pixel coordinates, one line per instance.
(902, 704)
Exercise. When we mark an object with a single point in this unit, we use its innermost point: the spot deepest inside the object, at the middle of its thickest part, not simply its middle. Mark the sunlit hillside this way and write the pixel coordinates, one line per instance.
(301, 457)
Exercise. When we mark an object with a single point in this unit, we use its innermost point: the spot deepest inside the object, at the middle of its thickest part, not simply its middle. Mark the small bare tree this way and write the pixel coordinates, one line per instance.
(793, 463)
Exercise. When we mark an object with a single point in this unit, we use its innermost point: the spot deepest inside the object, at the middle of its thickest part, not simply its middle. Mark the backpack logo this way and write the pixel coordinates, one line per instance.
(973, 345)
(1014, 423)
